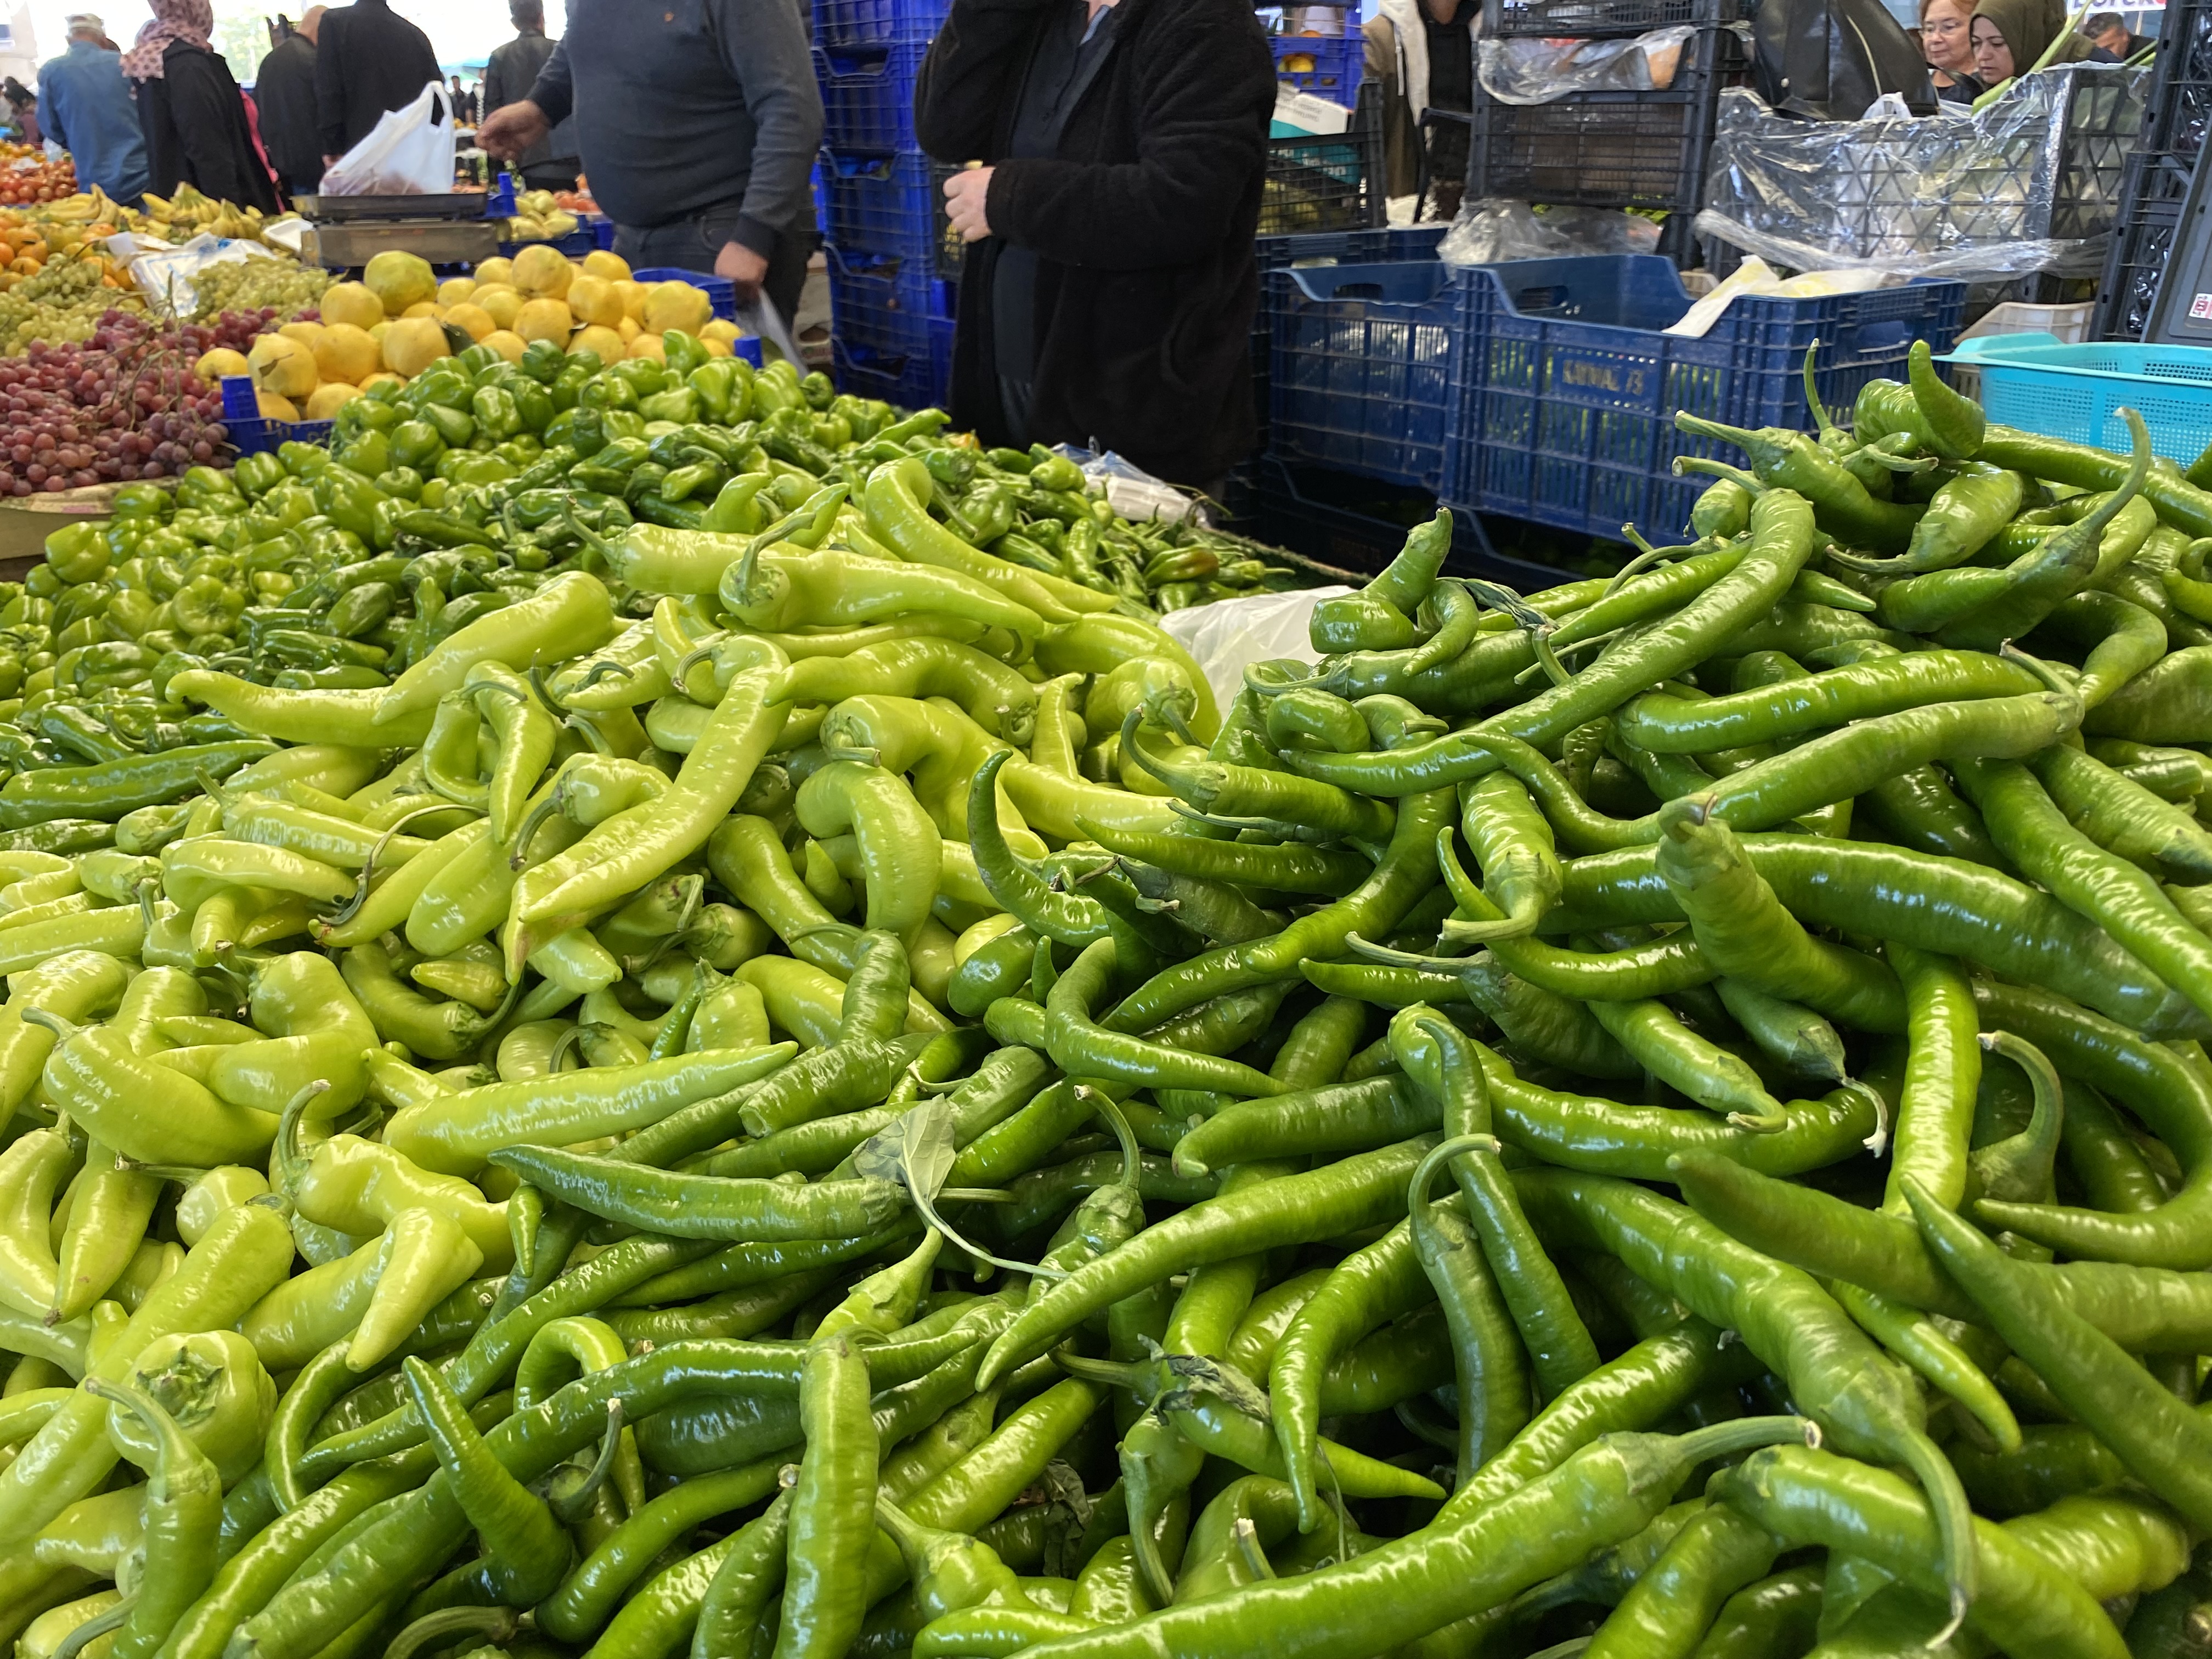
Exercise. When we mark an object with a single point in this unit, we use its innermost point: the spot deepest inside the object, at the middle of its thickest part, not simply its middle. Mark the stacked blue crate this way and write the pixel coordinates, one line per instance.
(892, 263)
(1318, 49)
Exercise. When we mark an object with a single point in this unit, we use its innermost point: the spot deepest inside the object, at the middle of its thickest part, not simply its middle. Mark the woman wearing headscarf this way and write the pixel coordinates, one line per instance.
(192, 111)
(2010, 37)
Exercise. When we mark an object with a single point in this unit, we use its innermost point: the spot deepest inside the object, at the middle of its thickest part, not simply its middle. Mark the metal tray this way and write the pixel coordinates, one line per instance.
(339, 247)
(341, 210)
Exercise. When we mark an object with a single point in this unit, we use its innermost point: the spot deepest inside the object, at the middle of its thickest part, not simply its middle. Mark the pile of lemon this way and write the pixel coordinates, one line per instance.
(399, 318)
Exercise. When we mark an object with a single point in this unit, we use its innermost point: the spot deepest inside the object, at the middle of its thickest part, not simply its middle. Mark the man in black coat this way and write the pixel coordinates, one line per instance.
(1109, 285)
(284, 98)
(368, 59)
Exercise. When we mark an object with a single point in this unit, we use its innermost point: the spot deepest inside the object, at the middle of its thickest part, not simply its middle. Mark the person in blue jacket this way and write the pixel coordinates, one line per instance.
(85, 107)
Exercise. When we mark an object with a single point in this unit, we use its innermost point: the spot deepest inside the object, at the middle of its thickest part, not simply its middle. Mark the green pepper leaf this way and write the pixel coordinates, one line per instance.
(918, 1151)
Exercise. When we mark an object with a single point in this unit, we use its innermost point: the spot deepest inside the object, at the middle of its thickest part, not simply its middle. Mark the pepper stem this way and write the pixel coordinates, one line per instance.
(497, 1625)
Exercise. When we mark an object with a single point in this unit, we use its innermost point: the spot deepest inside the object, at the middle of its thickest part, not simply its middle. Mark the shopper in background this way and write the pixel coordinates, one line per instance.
(2109, 31)
(1432, 44)
(698, 126)
(84, 105)
(550, 163)
(1947, 42)
(367, 60)
(465, 103)
(2010, 38)
(284, 95)
(22, 112)
(1109, 284)
(190, 110)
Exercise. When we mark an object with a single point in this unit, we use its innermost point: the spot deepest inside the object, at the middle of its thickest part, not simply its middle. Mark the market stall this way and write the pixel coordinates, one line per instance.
(653, 1004)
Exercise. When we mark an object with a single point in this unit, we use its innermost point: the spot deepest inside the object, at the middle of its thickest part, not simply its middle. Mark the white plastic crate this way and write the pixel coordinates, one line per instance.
(2070, 324)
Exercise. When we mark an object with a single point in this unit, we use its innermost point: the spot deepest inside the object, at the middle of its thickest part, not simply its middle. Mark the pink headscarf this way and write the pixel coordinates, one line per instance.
(188, 20)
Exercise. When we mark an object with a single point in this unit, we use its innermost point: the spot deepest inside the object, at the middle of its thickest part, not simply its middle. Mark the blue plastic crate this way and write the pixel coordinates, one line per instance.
(844, 23)
(602, 229)
(1565, 405)
(721, 294)
(574, 245)
(1391, 245)
(2039, 383)
(1360, 376)
(252, 433)
(886, 204)
(867, 95)
(879, 283)
(914, 374)
(1862, 337)
(1337, 61)
(1326, 247)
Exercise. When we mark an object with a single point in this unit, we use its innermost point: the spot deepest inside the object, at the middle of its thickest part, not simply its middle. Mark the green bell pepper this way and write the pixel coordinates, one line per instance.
(257, 475)
(368, 455)
(542, 361)
(606, 390)
(78, 552)
(682, 352)
(455, 425)
(680, 405)
(403, 483)
(724, 387)
(416, 444)
(496, 417)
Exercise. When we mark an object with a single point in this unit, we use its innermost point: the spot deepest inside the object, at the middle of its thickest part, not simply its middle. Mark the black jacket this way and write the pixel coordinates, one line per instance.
(1143, 224)
(196, 133)
(367, 60)
(509, 74)
(284, 94)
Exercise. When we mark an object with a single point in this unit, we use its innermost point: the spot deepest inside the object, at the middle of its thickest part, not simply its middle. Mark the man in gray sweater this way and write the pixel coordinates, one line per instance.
(697, 122)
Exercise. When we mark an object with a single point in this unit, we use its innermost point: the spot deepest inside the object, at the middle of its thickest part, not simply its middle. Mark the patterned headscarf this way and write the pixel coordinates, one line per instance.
(188, 20)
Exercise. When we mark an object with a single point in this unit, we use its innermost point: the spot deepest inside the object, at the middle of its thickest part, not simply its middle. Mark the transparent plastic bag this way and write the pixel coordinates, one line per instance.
(167, 273)
(1227, 636)
(1494, 229)
(2031, 183)
(1535, 71)
(410, 152)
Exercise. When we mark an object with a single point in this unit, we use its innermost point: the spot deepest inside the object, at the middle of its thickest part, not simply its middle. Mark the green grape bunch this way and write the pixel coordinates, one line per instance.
(279, 285)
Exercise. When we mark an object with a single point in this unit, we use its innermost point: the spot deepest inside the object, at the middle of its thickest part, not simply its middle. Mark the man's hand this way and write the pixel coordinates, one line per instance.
(513, 128)
(745, 268)
(964, 194)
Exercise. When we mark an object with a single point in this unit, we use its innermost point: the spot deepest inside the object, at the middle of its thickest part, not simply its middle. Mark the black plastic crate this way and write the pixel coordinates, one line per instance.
(1359, 525)
(2181, 107)
(2153, 190)
(1327, 181)
(1617, 149)
(1553, 19)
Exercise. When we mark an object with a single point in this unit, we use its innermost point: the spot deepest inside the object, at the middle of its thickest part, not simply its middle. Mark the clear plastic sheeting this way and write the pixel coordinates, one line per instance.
(1496, 229)
(1541, 71)
(2031, 183)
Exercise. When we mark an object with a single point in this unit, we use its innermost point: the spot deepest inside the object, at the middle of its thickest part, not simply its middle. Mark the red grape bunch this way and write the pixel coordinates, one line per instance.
(124, 404)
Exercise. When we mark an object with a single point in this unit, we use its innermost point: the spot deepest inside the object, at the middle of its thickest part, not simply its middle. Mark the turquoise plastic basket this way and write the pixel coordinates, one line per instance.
(2039, 383)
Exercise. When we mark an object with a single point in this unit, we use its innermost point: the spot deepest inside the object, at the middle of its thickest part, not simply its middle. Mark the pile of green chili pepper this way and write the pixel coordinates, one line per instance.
(796, 1087)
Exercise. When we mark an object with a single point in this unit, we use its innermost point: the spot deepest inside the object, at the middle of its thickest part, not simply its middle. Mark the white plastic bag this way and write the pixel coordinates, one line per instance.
(167, 273)
(410, 152)
(1228, 635)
